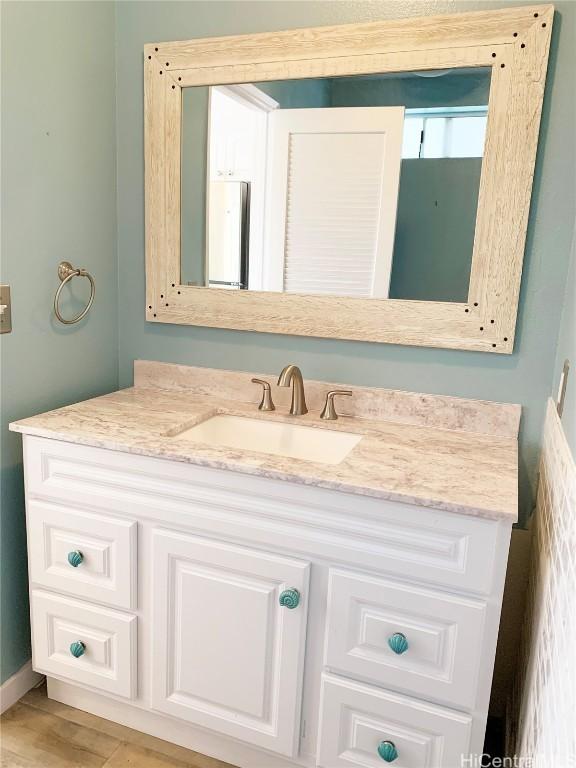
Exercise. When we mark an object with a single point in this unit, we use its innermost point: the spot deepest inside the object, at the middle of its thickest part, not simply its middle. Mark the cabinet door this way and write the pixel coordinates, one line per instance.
(105, 640)
(226, 654)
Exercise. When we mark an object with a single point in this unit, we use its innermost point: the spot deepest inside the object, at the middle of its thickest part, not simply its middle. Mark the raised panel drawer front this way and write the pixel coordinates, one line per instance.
(364, 726)
(456, 551)
(87, 554)
(229, 628)
(405, 637)
(83, 643)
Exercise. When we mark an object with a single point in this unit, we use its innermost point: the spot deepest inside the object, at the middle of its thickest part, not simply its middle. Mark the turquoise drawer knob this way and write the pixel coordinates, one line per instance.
(387, 751)
(75, 558)
(77, 649)
(290, 598)
(398, 643)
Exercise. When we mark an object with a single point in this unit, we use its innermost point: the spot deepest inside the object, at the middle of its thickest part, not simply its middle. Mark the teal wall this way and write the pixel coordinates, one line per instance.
(458, 89)
(435, 223)
(58, 202)
(299, 94)
(524, 377)
(195, 104)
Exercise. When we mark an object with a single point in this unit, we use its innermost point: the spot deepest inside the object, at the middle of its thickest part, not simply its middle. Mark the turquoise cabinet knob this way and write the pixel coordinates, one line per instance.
(75, 558)
(77, 649)
(398, 643)
(387, 751)
(290, 598)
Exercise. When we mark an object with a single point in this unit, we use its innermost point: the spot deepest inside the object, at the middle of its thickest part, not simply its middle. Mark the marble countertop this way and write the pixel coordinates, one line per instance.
(423, 463)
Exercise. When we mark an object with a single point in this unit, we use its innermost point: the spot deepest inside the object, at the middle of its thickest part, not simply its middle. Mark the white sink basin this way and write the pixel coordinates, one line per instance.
(326, 446)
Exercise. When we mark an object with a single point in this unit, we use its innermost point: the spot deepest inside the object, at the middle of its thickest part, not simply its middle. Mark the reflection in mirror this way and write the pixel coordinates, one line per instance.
(355, 186)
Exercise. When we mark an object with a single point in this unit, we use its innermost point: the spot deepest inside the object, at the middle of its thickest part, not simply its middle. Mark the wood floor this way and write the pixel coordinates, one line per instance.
(40, 733)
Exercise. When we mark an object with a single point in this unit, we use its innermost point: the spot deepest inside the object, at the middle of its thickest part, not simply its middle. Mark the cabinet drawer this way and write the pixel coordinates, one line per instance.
(87, 554)
(357, 719)
(371, 620)
(61, 626)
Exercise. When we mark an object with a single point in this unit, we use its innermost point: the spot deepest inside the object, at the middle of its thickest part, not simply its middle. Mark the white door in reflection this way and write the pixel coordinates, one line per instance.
(331, 197)
(236, 178)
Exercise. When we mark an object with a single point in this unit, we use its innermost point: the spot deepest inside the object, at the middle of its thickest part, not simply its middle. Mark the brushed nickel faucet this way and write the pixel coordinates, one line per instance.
(266, 403)
(292, 376)
(329, 411)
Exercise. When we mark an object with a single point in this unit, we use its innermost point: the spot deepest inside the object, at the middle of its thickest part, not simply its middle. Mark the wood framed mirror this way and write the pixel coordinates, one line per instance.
(226, 250)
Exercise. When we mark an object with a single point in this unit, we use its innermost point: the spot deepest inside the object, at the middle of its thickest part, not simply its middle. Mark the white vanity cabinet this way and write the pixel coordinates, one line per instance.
(266, 623)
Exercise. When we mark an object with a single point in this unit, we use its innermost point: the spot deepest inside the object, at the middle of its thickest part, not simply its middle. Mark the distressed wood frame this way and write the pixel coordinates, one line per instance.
(514, 42)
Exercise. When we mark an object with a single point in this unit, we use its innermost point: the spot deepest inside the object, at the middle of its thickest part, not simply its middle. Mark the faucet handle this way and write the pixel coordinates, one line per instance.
(266, 403)
(329, 411)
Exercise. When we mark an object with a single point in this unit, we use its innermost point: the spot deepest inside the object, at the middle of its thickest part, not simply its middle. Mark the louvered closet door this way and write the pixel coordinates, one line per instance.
(333, 178)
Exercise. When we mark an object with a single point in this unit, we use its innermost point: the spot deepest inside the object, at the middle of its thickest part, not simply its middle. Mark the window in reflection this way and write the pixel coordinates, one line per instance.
(456, 132)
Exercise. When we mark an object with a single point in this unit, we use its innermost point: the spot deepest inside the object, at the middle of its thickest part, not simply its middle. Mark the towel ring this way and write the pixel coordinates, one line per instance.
(66, 272)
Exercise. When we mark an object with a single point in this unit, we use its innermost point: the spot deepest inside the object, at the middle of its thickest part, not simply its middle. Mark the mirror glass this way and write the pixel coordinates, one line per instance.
(362, 186)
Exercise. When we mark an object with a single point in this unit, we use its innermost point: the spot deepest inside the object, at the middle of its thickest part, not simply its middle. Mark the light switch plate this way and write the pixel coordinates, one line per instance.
(5, 309)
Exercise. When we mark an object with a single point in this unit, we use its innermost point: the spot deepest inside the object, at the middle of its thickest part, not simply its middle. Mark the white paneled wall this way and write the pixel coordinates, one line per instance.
(547, 725)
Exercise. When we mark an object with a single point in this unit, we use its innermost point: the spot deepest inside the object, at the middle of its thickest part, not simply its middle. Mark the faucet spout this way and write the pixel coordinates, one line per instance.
(292, 376)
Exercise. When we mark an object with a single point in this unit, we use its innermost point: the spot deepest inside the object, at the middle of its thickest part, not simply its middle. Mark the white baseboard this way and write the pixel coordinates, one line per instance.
(17, 685)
